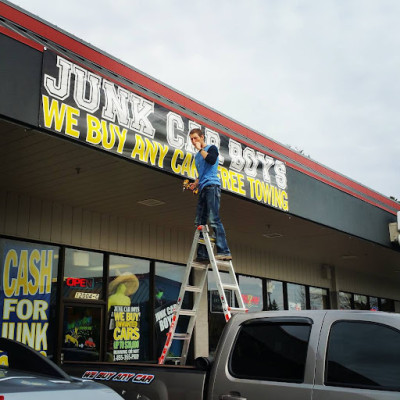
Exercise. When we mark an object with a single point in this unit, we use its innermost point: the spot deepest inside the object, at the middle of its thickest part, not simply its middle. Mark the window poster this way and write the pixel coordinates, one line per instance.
(168, 282)
(27, 273)
(81, 333)
(124, 318)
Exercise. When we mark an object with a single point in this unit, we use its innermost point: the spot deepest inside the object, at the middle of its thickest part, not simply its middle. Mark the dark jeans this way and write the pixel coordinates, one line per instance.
(208, 209)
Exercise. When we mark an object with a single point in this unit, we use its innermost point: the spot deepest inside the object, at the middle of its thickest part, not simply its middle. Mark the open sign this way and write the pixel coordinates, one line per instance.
(87, 283)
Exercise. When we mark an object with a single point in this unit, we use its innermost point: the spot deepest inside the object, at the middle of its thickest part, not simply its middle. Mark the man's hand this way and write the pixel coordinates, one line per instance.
(193, 185)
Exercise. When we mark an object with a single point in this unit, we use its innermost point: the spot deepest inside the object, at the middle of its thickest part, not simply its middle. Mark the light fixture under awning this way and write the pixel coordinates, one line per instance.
(151, 202)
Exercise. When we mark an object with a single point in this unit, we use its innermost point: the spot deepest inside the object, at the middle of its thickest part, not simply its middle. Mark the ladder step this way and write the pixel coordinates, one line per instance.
(226, 263)
(223, 265)
(199, 265)
(195, 289)
(191, 313)
(181, 336)
(237, 310)
(175, 360)
(230, 286)
(202, 241)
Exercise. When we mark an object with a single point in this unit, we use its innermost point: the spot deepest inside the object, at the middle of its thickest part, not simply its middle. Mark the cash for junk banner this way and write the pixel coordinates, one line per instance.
(82, 105)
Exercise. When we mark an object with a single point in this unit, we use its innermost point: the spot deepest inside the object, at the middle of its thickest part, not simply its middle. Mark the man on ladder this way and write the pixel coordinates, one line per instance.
(208, 204)
(209, 187)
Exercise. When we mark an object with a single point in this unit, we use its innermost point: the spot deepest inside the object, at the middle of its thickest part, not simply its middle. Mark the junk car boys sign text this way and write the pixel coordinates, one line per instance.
(84, 106)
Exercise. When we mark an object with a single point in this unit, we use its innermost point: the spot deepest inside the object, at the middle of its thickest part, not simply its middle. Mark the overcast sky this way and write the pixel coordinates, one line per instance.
(321, 76)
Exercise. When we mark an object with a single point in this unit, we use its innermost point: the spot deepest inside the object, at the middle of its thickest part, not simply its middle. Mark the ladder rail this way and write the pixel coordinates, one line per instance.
(185, 348)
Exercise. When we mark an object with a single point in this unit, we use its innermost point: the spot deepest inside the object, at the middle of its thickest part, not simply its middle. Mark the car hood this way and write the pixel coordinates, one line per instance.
(19, 384)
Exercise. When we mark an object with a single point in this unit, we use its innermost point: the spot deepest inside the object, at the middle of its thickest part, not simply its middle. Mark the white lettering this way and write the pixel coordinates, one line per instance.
(61, 89)
(235, 153)
(174, 125)
(280, 174)
(251, 161)
(92, 102)
(141, 109)
(116, 104)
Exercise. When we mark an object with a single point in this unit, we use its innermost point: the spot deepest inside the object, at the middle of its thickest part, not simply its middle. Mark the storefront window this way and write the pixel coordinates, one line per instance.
(318, 299)
(360, 302)
(251, 289)
(344, 301)
(296, 296)
(28, 293)
(81, 333)
(168, 279)
(373, 304)
(83, 275)
(275, 295)
(128, 309)
(387, 305)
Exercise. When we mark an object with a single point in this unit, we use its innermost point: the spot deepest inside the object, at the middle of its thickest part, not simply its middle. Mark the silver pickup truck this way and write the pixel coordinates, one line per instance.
(299, 355)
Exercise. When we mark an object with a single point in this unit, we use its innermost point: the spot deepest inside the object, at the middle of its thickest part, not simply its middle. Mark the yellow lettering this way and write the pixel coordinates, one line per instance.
(259, 190)
(163, 153)
(53, 113)
(45, 271)
(4, 360)
(119, 316)
(285, 202)
(251, 181)
(176, 168)
(33, 260)
(236, 182)
(139, 148)
(72, 122)
(268, 194)
(126, 334)
(224, 178)
(241, 189)
(121, 137)
(187, 165)
(107, 144)
(93, 129)
(151, 151)
(11, 261)
(22, 277)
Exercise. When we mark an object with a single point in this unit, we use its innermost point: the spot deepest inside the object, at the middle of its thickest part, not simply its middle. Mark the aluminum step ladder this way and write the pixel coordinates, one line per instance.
(201, 236)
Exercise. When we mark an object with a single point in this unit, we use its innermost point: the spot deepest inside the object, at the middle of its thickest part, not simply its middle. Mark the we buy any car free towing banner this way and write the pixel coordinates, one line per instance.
(81, 105)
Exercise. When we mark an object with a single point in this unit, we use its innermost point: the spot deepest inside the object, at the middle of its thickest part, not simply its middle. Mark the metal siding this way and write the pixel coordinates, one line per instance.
(23, 215)
(353, 281)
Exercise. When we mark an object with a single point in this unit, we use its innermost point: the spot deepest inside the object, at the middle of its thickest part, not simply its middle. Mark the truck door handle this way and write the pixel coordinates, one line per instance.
(232, 396)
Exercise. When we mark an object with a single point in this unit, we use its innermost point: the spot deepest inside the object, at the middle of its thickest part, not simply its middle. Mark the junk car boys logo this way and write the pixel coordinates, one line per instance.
(82, 105)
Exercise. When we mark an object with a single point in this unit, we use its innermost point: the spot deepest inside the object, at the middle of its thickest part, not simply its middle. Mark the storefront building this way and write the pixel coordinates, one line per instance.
(95, 229)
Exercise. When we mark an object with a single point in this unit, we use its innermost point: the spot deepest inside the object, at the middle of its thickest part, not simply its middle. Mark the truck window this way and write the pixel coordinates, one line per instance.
(271, 351)
(363, 355)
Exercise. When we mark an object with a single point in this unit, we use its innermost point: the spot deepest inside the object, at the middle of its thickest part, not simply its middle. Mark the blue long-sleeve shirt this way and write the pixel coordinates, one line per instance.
(207, 168)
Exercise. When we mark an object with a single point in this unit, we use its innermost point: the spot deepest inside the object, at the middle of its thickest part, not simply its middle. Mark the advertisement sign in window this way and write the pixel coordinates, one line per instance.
(27, 271)
(128, 308)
